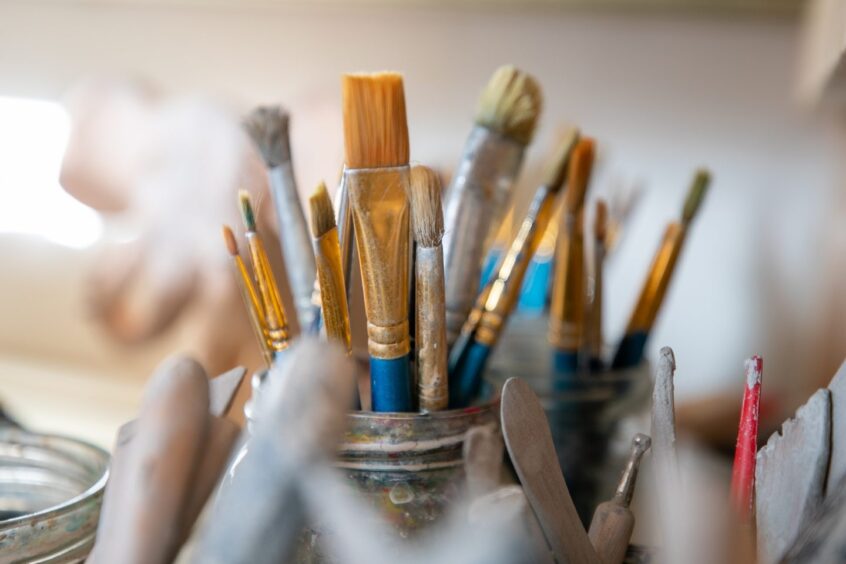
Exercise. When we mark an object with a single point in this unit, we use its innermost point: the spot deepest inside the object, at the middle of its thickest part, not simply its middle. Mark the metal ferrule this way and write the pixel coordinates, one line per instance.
(499, 298)
(475, 204)
(346, 235)
(567, 312)
(379, 206)
(626, 486)
(430, 328)
(295, 240)
(333, 294)
(660, 273)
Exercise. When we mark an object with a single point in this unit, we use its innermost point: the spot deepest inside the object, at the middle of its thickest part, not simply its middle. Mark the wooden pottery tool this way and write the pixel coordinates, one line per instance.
(790, 476)
(300, 415)
(613, 522)
(160, 466)
(822, 538)
(483, 451)
(529, 442)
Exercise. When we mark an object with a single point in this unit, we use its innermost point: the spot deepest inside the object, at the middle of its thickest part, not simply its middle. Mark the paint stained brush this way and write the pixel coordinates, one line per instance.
(268, 127)
(327, 253)
(376, 179)
(427, 222)
(567, 311)
(743, 471)
(481, 186)
(630, 351)
(613, 522)
(594, 321)
(274, 312)
(497, 300)
(250, 296)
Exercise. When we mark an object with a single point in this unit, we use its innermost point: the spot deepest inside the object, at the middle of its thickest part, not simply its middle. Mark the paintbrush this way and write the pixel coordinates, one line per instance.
(497, 300)
(274, 312)
(251, 298)
(268, 127)
(594, 320)
(529, 442)
(630, 351)
(743, 471)
(427, 222)
(613, 522)
(377, 180)
(481, 186)
(327, 253)
(567, 311)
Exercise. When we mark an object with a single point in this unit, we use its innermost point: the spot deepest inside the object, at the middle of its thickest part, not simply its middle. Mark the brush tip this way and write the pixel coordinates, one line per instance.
(247, 213)
(229, 238)
(695, 195)
(268, 128)
(600, 221)
(556, 171)
(375, 123)
(427, 218)
(322, 214)
(578, 174)
(510, 104)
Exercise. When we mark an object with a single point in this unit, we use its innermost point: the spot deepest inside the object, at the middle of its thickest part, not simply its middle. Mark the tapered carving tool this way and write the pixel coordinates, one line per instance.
(376, 180)
(630, 351)
(481, 186)
(497, 300)
(268, 126)
(430, 324)
(567, 310)
(613, 522)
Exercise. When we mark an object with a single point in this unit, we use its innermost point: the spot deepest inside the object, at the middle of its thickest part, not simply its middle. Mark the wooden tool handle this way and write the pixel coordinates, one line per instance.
(610, 531)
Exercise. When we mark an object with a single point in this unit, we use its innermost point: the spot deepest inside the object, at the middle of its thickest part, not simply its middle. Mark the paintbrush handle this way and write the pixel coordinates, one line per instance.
(567, 311)
(430, 329)
(743, 470)
(474, 206)
(295, 240)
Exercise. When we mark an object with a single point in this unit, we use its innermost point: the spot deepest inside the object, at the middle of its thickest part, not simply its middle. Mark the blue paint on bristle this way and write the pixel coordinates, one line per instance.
(390, 384)
(630, 351)
(465, 373)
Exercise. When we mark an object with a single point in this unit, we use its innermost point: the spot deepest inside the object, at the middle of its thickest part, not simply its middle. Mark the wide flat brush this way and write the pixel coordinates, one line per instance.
(274, 312)
(376, 180)
(427, 221)
(567, 311)
(498, 299)
(268, 127)
(630, 351)
(481, 185)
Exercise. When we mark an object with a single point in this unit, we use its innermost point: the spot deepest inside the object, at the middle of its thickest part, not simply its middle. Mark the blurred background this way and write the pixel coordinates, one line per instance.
(747, 88)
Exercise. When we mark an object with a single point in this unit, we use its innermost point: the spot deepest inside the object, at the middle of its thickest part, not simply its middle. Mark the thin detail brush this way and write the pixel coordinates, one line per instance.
(481, 186)
(497, 300)
(427, 221)
(567, 312)
(249, 294)
(327, 254)
(268, 127)
(594, 322)
(376, 180)
(274, 312)
(630, 351)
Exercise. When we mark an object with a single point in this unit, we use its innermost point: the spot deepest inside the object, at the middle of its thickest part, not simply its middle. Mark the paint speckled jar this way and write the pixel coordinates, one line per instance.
(592, 424)
(51, 489)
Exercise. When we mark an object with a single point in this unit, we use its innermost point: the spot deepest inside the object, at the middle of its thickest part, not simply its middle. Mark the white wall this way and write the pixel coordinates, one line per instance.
(662, 94)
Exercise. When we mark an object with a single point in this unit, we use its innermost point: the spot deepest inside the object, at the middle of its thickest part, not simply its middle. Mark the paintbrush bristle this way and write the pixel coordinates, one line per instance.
(247, 214)
(578, 174)
(231, 243)
(375, 124)
(322, 214)
(600, 221)
(427, 217)
(695, 195)
(268, 127)
(510, 104)
(556, 171)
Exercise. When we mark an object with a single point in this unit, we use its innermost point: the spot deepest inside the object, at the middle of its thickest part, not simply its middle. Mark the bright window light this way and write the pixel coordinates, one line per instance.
(33, 135)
